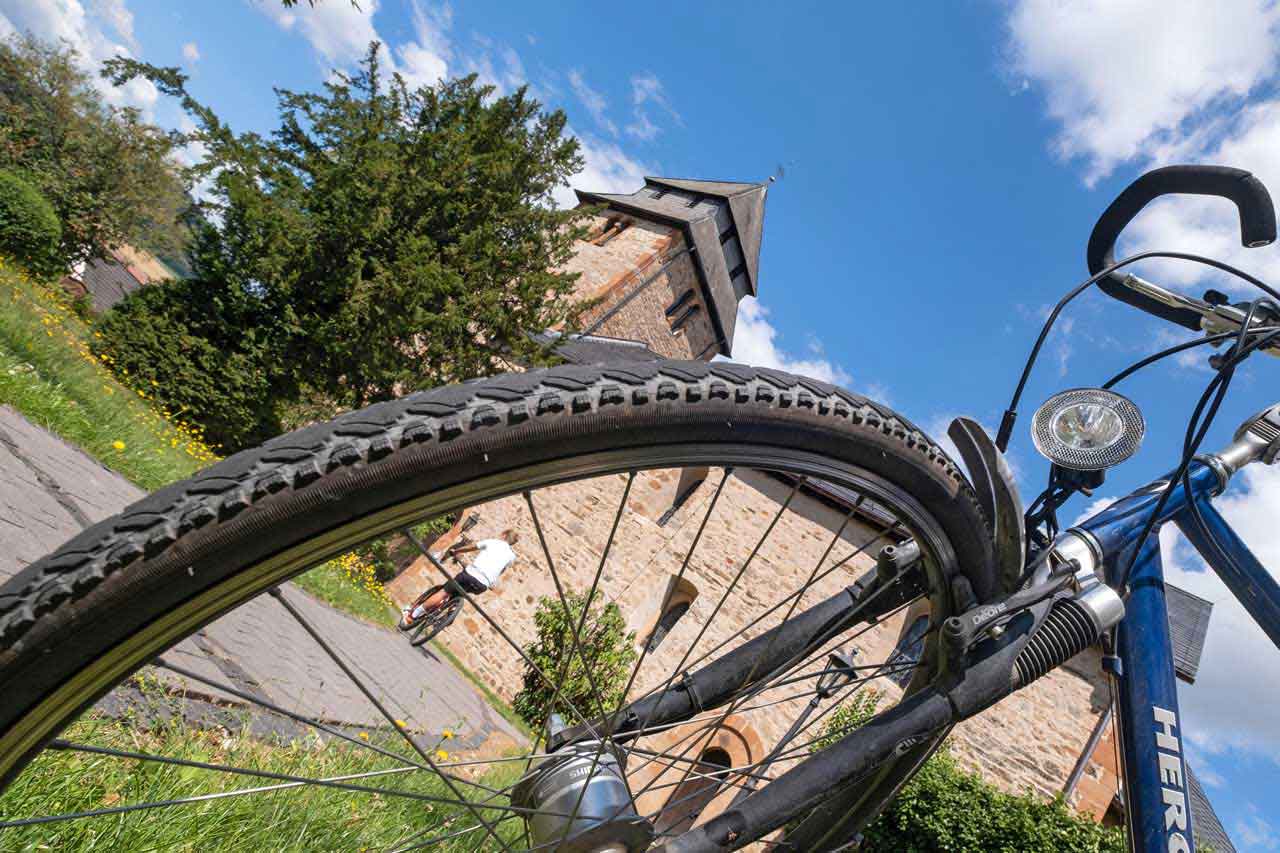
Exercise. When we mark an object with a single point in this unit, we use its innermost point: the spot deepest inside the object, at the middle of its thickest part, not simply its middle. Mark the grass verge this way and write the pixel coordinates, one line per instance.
(493, 699)
(48, 374)
(290, 818)
(335, 584)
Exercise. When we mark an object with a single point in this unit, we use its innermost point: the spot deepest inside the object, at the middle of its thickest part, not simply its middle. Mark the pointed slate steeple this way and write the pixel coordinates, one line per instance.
(723, 222)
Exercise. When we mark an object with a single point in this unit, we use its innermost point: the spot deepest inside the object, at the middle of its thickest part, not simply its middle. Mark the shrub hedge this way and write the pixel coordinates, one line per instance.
(157, 341)
(945, 808)
(29, 229)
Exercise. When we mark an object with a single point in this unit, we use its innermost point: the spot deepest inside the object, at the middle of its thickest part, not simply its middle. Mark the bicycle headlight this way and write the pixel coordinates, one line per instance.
(1087, 429)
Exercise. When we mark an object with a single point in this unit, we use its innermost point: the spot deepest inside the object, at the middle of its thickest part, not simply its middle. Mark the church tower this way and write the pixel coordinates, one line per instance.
(666, 267)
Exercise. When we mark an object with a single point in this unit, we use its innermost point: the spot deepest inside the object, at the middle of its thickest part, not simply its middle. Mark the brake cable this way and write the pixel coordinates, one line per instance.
(1196, 431)
(1011, 414)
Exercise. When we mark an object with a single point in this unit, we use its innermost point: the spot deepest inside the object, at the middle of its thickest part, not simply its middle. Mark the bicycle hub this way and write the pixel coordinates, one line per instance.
(580, 802)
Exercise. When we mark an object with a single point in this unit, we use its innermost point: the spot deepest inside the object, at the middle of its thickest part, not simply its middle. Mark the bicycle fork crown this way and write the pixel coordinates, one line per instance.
(579, 802)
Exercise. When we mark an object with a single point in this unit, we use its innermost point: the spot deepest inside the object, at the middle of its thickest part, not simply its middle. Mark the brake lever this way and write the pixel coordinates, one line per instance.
(1215, 317)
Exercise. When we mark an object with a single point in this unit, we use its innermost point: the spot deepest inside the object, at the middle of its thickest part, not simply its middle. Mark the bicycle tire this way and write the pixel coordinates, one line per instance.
(79, 621)
(436, 622)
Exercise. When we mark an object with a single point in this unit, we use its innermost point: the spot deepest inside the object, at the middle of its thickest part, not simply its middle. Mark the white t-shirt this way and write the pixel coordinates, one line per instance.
(491, 561)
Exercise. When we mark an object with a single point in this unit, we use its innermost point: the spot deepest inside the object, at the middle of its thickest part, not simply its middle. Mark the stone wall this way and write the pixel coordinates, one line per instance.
(612, 271)
(1029, 742)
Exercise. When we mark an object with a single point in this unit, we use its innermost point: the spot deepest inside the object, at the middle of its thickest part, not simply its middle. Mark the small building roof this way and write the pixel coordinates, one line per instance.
(746, 203)
(1188, 625)
(596, 349)
(1204, 820)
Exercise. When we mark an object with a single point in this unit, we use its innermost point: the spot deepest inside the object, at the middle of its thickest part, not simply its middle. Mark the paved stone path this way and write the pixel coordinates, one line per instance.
(49, 490)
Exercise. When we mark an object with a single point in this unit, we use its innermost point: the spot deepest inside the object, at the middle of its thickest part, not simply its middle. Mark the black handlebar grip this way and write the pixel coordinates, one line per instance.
(1257, 223)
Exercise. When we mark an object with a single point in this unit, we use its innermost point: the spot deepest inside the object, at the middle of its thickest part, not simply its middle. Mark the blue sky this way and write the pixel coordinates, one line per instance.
(943, 168)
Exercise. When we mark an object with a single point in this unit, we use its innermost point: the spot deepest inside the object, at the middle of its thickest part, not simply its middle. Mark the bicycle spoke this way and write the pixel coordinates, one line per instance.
(440, 839)
(564, 603)
(470, 599)
(684, 565)
(199, 798)
(756, 690)
(777, 605)
(263, 703)
(769, 648)
(577, 631)
(243, 771)
(448, 779)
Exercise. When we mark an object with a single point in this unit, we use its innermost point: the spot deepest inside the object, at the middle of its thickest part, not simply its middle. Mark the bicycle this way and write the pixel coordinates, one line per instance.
(440, 617)
(1005, 595)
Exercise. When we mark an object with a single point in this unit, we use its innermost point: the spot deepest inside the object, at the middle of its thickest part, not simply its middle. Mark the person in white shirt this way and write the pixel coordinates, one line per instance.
(492, 558)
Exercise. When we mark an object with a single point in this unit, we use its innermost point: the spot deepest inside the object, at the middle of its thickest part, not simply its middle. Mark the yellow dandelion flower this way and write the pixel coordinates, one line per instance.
(447, 733)
(401, 723)
(441, 755)
(364, 736)
(118, 444)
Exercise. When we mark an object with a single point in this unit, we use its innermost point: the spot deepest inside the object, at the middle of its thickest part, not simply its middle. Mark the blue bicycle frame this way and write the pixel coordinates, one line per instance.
(1143, 685)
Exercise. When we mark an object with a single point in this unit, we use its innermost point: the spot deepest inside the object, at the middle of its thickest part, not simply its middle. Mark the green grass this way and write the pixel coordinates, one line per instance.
(331, 583)
(48, 374)
(304, 818)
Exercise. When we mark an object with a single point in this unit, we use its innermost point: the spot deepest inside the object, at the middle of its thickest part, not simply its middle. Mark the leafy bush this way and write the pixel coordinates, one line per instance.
(29, 229)
(609, 650)
(946, 808)
(159, 341)
(390, 555)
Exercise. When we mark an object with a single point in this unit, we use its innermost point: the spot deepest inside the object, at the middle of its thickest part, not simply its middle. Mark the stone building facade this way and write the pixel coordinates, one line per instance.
(665, 267)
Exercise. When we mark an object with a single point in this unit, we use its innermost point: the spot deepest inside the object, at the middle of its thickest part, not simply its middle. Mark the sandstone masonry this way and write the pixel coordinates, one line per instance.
(666, 267)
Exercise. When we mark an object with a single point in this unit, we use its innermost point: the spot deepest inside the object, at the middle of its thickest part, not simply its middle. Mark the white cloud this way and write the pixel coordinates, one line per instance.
(339, 32)
(505, 72)
(340, 38)
(1230, 707)
(1238, 685)
(592, 100)
(607, 169)
(646, 88)
(1256, 832)
(67, 21)
(425, 60)
(1211, 226)
(115, 13)
(1127, 80)
(755, 343)
(642, 128)
(191, 52)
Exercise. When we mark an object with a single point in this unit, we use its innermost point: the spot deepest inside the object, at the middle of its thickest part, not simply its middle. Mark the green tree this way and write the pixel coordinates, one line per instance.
(29, 229)
(108, 174)
(604, 642)
(384, 238)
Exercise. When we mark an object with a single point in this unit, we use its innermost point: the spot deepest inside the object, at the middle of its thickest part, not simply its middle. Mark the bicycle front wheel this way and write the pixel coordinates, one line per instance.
(694, 610)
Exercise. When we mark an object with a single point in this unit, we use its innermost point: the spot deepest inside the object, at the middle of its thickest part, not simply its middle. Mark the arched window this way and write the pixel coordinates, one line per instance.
(676, 601)
(666, 622)
(693, 794)
(612, 228)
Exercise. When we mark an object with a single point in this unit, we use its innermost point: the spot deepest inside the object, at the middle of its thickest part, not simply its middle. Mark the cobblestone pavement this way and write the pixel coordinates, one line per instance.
(49, 490)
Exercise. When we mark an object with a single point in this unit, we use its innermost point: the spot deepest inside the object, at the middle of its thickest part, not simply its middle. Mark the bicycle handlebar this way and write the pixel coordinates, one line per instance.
(1257, 224)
